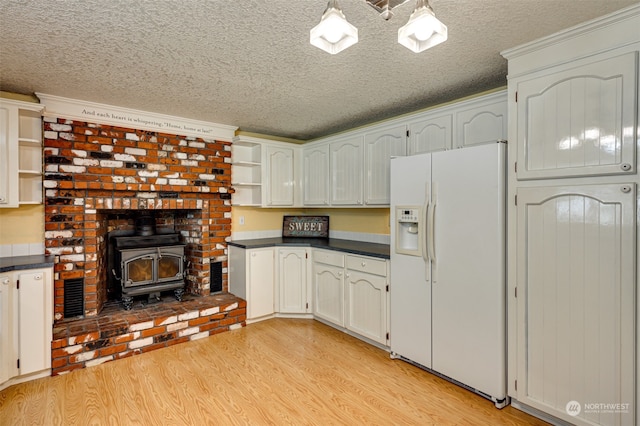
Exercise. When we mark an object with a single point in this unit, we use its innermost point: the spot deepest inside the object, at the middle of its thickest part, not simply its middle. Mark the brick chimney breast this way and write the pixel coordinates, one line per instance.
(94, 171)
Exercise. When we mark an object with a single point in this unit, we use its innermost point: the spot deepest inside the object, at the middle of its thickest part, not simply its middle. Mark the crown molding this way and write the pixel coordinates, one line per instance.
(56, 106)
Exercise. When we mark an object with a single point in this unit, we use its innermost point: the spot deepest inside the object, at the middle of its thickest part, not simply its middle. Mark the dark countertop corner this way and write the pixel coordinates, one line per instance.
(347, 246)
(8, 264)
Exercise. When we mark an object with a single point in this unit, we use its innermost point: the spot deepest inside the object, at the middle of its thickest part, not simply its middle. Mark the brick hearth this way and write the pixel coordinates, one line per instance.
(115, 333)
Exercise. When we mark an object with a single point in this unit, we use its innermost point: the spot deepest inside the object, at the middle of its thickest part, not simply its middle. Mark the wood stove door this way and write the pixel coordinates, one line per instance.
(139, 271)
(169, 267)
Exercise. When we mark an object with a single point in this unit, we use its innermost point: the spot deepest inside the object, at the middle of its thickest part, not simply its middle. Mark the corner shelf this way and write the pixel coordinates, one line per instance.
(20, 152)
(246, 172)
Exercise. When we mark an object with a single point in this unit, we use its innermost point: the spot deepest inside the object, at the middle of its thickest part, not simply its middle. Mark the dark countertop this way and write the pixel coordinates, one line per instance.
(8, 264)
(347, 246)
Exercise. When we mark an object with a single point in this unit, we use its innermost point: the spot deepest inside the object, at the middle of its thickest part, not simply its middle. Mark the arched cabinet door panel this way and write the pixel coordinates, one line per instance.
(579, 121)
(575, 299)
(430, 134)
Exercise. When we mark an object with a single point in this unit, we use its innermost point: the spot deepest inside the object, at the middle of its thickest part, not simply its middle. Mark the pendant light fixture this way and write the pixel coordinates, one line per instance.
(423, 30)
(333, 34)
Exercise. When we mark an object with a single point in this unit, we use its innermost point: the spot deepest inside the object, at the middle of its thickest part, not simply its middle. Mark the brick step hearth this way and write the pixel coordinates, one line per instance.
(116, 333)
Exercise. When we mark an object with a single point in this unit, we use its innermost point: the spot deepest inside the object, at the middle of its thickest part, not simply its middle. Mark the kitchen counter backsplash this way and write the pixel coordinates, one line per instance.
(13, 250)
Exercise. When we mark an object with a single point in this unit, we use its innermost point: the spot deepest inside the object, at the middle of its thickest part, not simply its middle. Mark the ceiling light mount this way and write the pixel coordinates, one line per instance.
(334, 34)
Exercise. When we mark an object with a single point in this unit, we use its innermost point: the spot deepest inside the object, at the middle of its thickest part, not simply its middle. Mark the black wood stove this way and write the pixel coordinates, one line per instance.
(148, 265)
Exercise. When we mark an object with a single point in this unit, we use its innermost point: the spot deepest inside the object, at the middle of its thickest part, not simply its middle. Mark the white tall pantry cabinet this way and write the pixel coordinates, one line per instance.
(572, 217)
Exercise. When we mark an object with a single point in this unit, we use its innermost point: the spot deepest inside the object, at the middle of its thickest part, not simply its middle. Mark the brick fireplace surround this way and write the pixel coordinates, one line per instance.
(96, 178)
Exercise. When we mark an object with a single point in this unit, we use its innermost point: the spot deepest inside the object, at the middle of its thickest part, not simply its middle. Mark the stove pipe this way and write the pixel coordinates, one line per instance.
(145, 225)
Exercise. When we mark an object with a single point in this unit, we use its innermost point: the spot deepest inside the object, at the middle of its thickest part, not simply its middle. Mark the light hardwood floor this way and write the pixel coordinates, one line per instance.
(279, 372)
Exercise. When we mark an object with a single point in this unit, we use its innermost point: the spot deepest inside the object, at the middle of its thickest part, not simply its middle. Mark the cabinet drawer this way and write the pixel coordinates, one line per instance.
(328, 257)
(369, 265)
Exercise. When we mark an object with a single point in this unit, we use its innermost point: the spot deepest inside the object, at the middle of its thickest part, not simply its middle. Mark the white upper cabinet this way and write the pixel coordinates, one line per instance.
(263, 172)
(352, 169)
(346, 171)
(379, 147)
(315, 169)
(279, 184)
(578, 119)
(481, 121)
(430, 134)
(7, 177)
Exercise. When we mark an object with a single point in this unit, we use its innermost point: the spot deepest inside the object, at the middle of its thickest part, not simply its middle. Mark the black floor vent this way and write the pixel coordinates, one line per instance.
(73, 297)
(215, 279)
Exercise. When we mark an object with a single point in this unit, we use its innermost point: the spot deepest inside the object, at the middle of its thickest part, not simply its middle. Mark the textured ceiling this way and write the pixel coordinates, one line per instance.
(248, 63)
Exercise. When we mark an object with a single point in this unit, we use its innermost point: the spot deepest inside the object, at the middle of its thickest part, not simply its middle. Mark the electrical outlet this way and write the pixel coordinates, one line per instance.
(241, 220)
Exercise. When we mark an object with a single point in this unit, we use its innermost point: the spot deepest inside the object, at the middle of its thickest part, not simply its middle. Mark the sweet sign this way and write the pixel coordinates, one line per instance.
(305, 226)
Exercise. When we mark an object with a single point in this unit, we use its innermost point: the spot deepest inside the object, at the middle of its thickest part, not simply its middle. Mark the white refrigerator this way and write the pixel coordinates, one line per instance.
(448, 301)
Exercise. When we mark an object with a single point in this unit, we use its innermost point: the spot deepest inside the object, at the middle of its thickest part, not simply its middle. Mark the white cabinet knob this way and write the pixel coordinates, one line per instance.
(5, 281)
(363, 264)
(37, 277)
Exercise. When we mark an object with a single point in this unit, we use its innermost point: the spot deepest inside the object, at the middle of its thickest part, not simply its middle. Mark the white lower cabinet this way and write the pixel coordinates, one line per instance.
(293, 279)
(367, 298)
(8, 353)
(26, 325)
(252, 277)
(352, 292)
(328, 285)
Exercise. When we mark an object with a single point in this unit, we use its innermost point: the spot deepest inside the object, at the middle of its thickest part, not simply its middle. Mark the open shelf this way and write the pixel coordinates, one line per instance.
(246, 172)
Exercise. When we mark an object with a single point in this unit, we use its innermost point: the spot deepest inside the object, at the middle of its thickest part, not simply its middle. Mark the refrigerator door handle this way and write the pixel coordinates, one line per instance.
(423, 226)
(424, 221)
(431, 223)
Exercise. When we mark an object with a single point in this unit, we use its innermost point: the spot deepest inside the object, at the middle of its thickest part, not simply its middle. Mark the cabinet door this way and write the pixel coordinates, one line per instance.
(579, 121)
(482, 124)
(367, 305)
(8, 157)
(346, 171)
(260, 282)
(430, 134)
(7, 355)
(292, 276)
(575, 299)
(379, 146)
(279, 183)
(35, 307)
(328, 284)
(316, 176)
